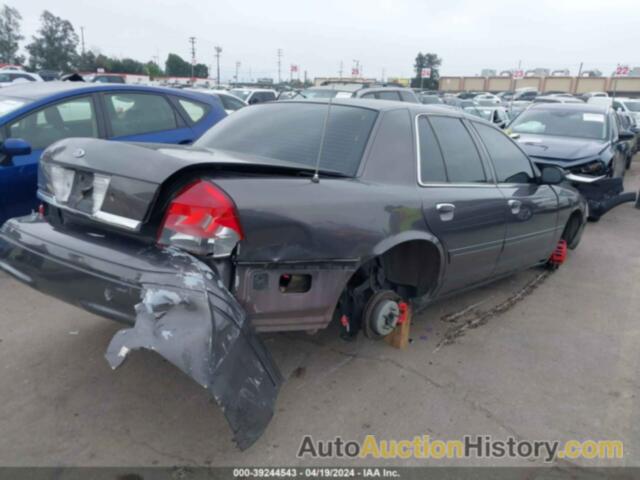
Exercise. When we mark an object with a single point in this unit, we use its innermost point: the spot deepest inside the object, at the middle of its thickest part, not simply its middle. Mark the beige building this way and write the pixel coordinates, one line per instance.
(621, 85)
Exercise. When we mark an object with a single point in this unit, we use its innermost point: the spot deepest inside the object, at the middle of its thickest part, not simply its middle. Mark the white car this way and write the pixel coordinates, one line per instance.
(254, 95)
(230, 102)
(628, 105)
(11, 76)
(487, 98)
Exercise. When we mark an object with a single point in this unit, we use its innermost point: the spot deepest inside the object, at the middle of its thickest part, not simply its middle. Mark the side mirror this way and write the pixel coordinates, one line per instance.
(253, 101)
(551, 175)
(625, 135)
(13, 147)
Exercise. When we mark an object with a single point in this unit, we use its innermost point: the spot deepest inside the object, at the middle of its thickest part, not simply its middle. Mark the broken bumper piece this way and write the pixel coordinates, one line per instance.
(176, 305)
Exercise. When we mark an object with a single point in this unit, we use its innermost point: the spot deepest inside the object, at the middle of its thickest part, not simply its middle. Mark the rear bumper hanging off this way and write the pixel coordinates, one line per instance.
(176, 305)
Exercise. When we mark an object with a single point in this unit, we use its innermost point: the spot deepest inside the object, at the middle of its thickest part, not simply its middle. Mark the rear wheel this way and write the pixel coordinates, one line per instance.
(383, 312)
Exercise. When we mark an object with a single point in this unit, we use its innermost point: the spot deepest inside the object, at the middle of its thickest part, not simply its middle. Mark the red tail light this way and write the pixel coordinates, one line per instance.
(202, 220)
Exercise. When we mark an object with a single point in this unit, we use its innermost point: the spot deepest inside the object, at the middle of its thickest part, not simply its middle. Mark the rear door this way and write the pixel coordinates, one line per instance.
(144, 117)
(531, 209)
(461, 203)
(75, 117)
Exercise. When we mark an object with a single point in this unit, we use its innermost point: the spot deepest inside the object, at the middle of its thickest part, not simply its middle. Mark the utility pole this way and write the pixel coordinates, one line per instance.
(279, 65)
(237, 68)
(305, 78)
(192, 41)
(575, 86)
(218, 52)
(382, 79)
(341, 68)
(82, 39)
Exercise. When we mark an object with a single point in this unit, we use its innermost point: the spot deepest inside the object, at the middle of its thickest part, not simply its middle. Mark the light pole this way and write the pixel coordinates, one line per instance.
(218, 52)
(237, 68)
(192, 41)
(279, 65)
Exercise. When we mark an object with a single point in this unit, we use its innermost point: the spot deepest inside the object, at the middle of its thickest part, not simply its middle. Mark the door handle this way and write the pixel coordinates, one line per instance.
(515, 205)
(446, 211)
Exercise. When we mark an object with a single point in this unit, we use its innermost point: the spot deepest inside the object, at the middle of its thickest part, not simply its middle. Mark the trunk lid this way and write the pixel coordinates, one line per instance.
(118, 183)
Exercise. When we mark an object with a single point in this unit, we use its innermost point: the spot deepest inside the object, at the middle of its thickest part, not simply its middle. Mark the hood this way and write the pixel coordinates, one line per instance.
(565, 149)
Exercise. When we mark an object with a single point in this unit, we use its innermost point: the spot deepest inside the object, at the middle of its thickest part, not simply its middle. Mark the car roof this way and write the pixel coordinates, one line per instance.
(388, 105)
(41, 90)
(382, 89)
(577, 107)
(254, 89)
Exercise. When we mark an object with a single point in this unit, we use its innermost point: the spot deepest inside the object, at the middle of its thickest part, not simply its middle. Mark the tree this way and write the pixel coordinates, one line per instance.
(176, 66)
(10, 35)
(200, 70)
(153, 70)
(87, 62)
(427, 60)
(54, 46)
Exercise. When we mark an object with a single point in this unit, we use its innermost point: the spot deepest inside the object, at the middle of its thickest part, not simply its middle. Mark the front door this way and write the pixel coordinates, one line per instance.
(531, 209)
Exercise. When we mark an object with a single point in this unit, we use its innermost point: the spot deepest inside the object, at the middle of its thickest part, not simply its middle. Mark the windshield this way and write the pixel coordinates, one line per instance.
(319, 93)
(479, 112)
(291, 132)
(241, 94)
(633, 106)
(565, 123)
(9, 104)
(430, 99)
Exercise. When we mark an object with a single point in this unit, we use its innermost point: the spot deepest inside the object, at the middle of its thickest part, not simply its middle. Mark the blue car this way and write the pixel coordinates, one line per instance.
(34, 115)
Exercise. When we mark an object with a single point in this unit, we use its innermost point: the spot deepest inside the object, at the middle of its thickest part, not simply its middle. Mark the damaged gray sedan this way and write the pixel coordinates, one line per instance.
(284, 216)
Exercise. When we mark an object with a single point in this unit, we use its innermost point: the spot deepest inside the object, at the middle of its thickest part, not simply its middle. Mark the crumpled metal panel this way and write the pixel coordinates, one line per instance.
(207, 336)
(181, 310)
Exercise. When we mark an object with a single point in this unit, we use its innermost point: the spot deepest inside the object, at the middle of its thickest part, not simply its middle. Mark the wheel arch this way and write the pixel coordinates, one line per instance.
(413, 259)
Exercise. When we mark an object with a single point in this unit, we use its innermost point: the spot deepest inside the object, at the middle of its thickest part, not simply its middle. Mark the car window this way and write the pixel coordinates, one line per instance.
(195, 110)
(369, 95)
(461, 157)
(22, 76)
(407, 96)
(241, 94)
(261, 97)
(231, 103)
(138, 113)
(391, 95)
(432, 167)
(512, 166)
(294, 132)
(73, 118)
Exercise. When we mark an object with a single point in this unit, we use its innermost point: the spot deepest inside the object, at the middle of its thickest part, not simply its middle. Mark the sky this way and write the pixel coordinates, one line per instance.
(383, 35)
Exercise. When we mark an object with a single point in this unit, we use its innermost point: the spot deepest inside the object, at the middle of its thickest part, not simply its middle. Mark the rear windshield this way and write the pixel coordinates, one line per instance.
(292, 132)
(565, 123)
(9, 104)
